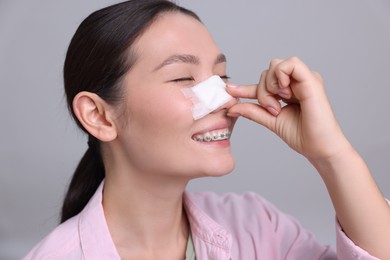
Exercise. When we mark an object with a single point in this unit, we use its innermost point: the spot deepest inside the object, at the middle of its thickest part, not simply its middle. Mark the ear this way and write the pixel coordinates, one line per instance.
(95, 115)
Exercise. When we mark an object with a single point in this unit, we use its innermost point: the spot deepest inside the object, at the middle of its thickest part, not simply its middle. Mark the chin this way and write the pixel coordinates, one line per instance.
(220, 167)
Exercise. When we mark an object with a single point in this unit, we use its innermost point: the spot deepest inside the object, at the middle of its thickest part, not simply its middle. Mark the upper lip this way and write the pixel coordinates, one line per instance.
(221, 124)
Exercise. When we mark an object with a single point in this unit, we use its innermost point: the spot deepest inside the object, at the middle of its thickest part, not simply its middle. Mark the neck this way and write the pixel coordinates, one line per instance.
(145, 213)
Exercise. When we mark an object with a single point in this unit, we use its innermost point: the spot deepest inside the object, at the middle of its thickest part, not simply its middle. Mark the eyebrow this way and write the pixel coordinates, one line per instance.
(187, 58)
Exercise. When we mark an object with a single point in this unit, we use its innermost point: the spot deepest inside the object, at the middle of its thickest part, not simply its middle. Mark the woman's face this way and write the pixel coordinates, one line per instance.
(174, 53)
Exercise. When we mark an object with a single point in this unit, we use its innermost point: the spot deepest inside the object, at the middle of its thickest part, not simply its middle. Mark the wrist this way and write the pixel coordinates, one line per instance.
(336, 161)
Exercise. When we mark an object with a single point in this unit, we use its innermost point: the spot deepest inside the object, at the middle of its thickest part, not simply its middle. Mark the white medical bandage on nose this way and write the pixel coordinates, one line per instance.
(207, 96)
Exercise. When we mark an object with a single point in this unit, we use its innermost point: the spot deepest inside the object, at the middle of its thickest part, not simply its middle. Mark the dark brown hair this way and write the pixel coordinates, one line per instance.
(98, 57)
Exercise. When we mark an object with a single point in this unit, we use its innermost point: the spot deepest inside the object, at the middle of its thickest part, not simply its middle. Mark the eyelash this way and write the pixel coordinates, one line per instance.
(188, 79)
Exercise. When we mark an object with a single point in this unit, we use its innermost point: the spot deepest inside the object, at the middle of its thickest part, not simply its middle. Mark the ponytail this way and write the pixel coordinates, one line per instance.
(86, 179)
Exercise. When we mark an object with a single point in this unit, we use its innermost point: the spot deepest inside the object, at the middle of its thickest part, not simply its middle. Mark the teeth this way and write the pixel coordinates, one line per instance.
(207, 137)
(213, 136)
(198, 139)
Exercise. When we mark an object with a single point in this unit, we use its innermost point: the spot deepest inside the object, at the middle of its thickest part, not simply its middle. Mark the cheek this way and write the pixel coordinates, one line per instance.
(157, 123)
(161, 109)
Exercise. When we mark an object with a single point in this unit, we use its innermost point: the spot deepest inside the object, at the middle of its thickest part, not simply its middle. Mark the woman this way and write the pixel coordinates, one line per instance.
(125, 71)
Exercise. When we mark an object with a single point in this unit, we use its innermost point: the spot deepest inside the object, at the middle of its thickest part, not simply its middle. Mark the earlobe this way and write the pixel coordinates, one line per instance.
(95, 115)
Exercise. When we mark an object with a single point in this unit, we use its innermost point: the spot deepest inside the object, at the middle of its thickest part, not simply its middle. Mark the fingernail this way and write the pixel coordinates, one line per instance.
(272, 110)
(233, 114)
(231, 85)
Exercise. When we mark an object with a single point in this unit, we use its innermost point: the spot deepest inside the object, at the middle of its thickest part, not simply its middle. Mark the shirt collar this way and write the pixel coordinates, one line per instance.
(208, 236)
(96, 241)
(206, 233)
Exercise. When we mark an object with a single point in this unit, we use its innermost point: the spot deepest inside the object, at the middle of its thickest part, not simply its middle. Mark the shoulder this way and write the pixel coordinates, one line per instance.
(247, 212)
(62, 243)
(249, 208)
(248, 202)
(259, 227)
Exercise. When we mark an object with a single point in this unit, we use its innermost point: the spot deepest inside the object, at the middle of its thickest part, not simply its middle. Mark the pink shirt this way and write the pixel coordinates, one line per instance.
(231, 226)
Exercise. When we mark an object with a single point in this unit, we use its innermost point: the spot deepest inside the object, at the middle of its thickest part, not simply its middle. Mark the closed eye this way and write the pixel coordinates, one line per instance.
(183, 79)
(225, 77)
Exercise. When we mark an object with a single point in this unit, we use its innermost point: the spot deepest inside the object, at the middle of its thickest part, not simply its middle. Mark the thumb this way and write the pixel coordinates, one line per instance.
(255, 113)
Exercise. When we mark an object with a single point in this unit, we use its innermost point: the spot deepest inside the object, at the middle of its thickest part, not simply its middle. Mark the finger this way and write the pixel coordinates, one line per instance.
(243, 91)
(259, 92)
(255, 113)
(318, 76)
(272, 82)
(267, 99)
(293, 69)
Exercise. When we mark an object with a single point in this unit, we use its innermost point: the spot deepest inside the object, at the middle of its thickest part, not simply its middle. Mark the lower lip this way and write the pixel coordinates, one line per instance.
(219, 144)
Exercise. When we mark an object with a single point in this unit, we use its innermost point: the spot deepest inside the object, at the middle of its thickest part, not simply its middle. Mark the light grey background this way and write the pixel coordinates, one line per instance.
(346, 41)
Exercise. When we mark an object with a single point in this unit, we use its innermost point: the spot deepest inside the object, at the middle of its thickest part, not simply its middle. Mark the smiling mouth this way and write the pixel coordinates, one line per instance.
(216, 135)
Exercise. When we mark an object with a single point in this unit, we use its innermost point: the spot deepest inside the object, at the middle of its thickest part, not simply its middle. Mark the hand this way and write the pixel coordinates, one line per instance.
(306, 123)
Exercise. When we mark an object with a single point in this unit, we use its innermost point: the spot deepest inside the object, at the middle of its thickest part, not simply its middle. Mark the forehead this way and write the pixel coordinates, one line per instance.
(175, 33)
